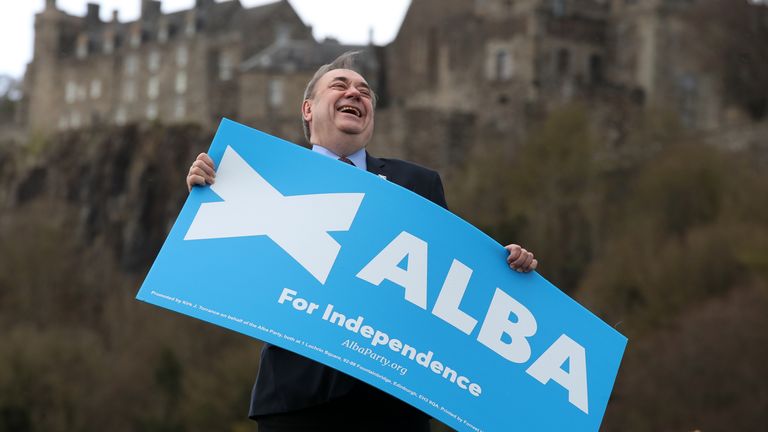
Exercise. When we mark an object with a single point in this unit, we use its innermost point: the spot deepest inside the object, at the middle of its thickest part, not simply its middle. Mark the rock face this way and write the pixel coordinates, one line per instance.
(123, 185)
(82, 216)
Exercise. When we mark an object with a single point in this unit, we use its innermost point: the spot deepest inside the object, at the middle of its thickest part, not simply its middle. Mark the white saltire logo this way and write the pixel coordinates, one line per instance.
(298, 224)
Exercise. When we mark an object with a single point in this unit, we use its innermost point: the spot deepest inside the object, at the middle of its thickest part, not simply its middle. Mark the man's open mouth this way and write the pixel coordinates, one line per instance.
(349, 110)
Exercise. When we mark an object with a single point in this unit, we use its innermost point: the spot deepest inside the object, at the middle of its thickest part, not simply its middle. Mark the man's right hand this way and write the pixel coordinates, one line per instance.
(202, 171)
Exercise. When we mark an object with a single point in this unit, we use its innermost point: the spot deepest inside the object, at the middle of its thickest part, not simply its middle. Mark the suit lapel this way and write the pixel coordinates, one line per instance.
(375, 165)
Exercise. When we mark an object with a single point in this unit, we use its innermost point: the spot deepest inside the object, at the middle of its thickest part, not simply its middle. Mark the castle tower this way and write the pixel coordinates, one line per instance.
(668, 79)
(41, 78)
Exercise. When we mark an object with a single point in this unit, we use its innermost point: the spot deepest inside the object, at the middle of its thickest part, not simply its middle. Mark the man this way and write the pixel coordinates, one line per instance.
(293, 393)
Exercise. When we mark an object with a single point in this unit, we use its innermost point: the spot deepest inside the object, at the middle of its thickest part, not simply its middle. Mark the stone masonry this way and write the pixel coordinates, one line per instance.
(461, 74)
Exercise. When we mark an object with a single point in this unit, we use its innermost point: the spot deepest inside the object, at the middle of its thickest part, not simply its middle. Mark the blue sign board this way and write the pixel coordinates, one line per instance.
(344, 267)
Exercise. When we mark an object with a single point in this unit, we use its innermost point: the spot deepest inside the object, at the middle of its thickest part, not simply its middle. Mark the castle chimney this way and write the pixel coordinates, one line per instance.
(115, 15)
(150, 9)
(50, 4)
(93, 13)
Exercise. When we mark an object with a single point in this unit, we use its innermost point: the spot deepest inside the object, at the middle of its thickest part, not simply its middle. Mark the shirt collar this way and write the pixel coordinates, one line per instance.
(358, 157)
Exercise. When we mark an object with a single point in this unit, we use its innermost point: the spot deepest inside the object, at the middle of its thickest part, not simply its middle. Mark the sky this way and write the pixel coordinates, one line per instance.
(349, 21)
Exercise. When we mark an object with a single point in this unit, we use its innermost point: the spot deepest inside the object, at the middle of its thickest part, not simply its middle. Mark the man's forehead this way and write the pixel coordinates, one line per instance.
(346, 75)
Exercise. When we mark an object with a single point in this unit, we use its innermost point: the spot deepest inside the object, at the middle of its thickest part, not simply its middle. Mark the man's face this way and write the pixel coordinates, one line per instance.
(340, 114)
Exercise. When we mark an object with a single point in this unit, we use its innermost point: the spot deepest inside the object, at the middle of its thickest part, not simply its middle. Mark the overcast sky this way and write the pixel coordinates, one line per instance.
(347, 20)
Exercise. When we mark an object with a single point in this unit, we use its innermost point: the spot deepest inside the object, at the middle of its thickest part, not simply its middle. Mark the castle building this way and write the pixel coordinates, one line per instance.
(459, 74)
(486, 66)
(653, 50)
(177, 67)
(482, 69)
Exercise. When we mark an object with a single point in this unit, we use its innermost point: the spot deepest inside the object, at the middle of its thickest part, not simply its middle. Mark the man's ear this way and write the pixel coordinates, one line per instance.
(306, 110)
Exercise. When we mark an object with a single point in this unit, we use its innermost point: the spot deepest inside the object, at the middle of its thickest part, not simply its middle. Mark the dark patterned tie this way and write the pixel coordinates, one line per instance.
(345, 160)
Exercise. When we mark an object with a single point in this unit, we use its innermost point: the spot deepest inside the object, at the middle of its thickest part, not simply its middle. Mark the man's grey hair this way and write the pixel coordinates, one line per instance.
(348, 60)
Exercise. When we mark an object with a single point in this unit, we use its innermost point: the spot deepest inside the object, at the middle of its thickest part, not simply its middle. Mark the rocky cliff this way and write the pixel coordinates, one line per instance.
(119, 188)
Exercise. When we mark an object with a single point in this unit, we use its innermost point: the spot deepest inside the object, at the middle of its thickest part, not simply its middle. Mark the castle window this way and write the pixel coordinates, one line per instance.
(151, 111)
(95, 89)
(190, 26)
(181, 82)
(120, 116)
(688, 89)
(182, 55)
(275, 92)
(74, 119)
(82, 92)
(225, 67)
(282, 34)
(131, 64)
(63, 122)
(503, 65)
(70, 92)
(82, 47)
(153, 87)
(129, 91)
(595, 69)
(432, 52)
(180, 109)
(162, 32)
(135, 39)
(558, 8)
(563, 61)
(109, 44)
(153, 61)
(418, 58)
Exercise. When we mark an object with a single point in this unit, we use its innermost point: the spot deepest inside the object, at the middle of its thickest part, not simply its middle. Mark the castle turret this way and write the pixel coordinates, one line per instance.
(43, 70)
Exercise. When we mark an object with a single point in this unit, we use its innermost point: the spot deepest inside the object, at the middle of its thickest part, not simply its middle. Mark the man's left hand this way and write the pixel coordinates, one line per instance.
(520, 259)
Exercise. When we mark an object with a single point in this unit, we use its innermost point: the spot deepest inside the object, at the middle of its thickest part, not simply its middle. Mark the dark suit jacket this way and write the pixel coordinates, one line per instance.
(288, 382)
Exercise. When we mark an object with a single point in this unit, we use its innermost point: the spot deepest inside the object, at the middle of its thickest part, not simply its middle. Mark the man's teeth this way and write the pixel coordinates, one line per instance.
(350, 110)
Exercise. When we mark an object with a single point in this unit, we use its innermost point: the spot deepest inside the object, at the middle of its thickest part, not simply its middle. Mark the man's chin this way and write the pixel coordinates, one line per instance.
(351, 131)
(355, 130)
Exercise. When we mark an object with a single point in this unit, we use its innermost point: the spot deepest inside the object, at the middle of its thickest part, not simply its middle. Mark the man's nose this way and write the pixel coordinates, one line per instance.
(353, 92)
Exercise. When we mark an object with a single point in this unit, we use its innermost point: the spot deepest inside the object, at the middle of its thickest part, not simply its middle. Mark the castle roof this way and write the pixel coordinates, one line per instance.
(210, 17)
(302, 55)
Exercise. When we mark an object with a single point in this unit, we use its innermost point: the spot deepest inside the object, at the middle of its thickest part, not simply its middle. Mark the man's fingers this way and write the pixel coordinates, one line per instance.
(199, 172)
(194, 179)
(207, 159)
(530, 264)
(198, 179)
(521, 260)
(204, 166)
(527, 264)
(514, 252)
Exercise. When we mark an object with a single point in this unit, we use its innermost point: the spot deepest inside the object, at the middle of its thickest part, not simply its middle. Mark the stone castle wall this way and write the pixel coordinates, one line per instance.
(459, 76)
